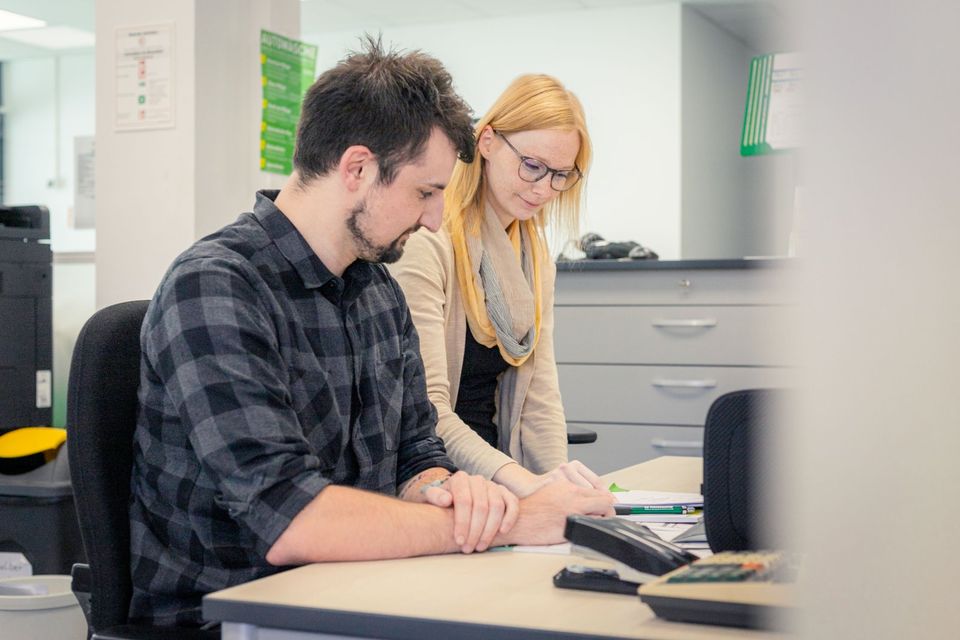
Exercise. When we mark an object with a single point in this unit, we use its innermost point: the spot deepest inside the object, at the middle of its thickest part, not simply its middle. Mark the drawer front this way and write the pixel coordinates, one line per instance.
(622, 445)
(666, 395)
(738, 336)
(711, 287)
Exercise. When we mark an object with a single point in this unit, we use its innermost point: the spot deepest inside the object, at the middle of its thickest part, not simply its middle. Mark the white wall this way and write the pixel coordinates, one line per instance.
(47, 102)
(715, 212)
(145, 184)
(228, 110)
(73, 303)
(875, 448)
(624, 65)
(731, 206)
(159, 190)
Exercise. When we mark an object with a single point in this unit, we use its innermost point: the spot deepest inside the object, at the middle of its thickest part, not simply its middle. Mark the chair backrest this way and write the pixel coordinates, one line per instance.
(736, 425)
(101, 419)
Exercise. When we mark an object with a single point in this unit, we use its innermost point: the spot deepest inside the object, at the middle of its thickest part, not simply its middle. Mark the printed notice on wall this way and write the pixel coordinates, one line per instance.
(84, 185)
(144, 77)
(286, 71)
(786, 102)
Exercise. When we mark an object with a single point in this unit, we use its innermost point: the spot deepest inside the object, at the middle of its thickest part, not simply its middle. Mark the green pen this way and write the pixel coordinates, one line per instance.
(627, 510)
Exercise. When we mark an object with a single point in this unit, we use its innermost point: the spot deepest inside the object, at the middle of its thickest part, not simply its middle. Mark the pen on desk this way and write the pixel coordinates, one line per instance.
(627, 510)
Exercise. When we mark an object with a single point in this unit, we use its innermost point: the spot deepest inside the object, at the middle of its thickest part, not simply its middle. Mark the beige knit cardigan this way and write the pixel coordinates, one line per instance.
(530, 418)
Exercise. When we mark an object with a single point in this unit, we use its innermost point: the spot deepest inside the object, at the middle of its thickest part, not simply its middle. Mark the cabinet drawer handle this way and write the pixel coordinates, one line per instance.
(685, 384)
(660, 443)
(691, 323)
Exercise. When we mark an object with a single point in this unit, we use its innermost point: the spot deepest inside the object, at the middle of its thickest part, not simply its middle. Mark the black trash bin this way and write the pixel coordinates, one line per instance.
(37, 516)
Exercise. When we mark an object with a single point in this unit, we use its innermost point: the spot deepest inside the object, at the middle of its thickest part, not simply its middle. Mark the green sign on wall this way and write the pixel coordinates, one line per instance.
(287, 67)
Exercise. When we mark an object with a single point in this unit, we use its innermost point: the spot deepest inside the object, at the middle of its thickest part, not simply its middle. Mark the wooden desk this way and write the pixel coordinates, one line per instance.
(497, 595)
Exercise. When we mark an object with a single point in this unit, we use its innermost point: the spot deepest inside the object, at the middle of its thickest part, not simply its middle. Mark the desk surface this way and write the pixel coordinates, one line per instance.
(497, 595)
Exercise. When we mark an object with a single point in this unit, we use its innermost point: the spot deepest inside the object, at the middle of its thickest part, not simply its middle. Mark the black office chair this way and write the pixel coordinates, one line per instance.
(101, 419)
(736, 424)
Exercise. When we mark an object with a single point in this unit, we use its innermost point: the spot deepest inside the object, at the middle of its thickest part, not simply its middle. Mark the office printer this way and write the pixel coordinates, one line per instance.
(26, 336)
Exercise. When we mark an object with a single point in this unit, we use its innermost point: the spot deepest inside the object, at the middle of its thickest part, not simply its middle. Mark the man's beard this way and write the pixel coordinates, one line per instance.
(366, 249)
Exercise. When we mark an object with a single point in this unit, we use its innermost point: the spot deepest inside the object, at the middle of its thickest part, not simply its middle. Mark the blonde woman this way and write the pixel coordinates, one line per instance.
(481, 290)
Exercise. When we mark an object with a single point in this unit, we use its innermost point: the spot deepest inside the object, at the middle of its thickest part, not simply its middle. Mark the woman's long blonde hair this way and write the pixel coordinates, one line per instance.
(533, 101)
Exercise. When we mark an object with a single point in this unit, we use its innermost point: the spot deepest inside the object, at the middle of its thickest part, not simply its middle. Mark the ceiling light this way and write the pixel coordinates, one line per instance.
(10, 21)
(53, 37)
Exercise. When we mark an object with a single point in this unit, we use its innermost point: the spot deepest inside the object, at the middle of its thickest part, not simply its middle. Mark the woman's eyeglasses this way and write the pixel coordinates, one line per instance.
(532, 170)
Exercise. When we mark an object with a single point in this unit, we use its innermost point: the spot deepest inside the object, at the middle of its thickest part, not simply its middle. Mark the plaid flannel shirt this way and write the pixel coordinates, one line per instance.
(264, 378)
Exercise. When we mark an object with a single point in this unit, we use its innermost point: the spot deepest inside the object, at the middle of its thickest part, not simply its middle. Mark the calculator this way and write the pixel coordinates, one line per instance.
(753, 589)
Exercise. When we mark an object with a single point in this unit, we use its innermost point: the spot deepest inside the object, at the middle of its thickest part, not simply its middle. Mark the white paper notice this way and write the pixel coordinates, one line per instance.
(84, 205)
(784, 115)
(144, 76)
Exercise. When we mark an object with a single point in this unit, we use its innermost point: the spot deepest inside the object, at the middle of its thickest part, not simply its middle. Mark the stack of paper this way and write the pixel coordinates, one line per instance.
(689, 536)
(694, 537)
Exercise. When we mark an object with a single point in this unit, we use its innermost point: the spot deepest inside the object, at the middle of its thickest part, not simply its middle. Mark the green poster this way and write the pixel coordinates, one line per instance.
(771, 119)
(287, 67)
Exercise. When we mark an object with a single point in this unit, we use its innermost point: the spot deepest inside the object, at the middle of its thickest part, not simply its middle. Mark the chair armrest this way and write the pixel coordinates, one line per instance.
(579, 435)
(80, 578)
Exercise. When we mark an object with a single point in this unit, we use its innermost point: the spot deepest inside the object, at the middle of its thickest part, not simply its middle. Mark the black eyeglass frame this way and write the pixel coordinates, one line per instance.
(553, 172)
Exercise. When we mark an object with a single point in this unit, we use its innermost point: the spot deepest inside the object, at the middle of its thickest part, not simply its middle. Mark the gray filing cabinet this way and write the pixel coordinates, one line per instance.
(644, 348)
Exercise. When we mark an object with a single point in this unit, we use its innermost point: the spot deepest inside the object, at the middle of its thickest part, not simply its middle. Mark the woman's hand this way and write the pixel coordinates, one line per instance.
(524, 483)
(577, 473)
(543, 514)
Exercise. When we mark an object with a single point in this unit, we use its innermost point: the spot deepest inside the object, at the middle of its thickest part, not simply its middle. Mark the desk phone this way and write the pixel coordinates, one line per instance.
(637, 552)
(741, 589)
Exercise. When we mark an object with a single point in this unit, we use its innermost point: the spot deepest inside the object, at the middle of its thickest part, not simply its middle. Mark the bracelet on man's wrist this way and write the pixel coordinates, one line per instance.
(434, 483)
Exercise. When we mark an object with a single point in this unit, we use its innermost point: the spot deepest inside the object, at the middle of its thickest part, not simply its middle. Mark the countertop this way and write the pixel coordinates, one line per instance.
(765, 262)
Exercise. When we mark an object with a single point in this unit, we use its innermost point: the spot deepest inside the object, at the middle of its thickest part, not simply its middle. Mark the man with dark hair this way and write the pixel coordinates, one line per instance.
(395, 102)
(284, 417)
